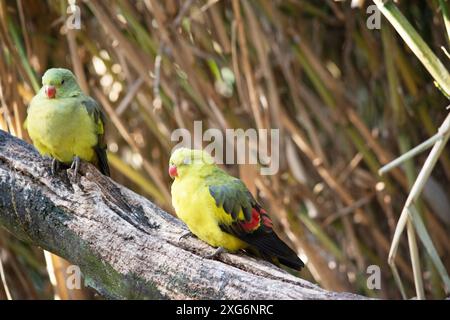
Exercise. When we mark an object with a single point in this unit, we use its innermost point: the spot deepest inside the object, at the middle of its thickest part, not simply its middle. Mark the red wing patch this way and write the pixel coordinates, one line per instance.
(266, 221)
(253, 223)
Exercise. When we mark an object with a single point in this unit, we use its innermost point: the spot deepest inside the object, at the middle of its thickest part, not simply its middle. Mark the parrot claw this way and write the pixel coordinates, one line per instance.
(217, 253)
(185, 235)
(75, 167)
(55, 166)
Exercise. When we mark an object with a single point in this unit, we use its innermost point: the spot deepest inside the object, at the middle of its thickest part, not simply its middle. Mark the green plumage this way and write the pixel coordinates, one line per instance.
(230, 193)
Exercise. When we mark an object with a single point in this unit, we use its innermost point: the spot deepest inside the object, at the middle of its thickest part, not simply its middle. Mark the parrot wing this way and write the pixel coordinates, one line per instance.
(95, 112)
(254, 226)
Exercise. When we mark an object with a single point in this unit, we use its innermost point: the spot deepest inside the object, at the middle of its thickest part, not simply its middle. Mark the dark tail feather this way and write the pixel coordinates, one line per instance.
(102, 160)
(271, 247)
(293, 262)
(286, 255)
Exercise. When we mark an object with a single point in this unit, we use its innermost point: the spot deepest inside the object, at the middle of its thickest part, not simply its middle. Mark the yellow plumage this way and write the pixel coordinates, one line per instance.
(65, 124)
(194, 204)
(196, 207)
(62, 128)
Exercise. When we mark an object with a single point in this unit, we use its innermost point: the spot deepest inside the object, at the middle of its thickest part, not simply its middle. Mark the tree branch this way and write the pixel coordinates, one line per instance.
(125, 245)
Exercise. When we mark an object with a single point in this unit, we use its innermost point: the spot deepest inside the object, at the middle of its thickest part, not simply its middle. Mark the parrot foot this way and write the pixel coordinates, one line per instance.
(185, 235)
(55, 166)
(75, 167)
(217, 253)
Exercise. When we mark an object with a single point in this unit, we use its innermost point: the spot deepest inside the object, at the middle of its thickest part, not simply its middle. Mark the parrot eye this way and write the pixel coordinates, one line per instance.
(62, 81)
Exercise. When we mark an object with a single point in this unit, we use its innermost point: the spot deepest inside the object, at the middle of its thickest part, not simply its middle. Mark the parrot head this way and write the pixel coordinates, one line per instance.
(59, 83)
(184, 160)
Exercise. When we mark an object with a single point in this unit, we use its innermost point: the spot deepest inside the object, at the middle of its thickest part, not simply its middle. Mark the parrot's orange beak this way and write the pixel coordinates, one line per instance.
(50, 91)
(173, 172)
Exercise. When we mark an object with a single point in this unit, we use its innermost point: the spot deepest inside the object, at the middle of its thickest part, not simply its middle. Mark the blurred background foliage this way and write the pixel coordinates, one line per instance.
(347, 100)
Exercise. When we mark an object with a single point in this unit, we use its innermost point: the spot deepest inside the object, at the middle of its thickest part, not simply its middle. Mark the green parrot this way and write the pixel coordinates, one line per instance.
(220, 210)
(65, 124)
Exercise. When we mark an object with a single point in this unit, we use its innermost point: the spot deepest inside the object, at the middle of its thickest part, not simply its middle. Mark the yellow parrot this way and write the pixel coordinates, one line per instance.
(65, 124)
(219, 209)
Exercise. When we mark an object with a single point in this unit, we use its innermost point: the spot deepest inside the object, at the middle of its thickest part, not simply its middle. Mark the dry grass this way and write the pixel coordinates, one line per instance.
(346, 98)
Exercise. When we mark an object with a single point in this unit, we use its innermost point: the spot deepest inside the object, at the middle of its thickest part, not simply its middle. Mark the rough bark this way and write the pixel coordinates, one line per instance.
(125, 245)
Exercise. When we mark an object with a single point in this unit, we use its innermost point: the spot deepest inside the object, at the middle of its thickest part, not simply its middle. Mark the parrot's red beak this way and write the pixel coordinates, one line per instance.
(173, 171)
(50, 91)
